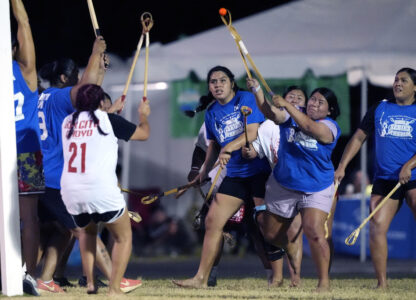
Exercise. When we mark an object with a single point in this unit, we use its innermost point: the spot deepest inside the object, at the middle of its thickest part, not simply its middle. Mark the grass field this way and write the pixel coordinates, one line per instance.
(255, 288)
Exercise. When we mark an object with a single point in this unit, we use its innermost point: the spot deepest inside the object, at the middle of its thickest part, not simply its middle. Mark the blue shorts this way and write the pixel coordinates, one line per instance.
(51, 208)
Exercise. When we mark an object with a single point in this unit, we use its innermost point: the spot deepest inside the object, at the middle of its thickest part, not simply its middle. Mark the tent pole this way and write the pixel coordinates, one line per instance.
(363, 166)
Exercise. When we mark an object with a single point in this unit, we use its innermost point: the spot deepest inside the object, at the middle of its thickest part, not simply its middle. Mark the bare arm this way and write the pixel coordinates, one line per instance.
(95, 69)
(238, 143)
(142, 132)
(269, 111)
(352, 148)
(406, 171)
(317, 130)
(25, 55)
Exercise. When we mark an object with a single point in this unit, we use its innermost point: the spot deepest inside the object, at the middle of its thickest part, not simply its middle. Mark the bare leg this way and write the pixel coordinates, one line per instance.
(221, 209)
(295, 237)
(60, 268)
(30, 231)
(56, 246)
(87, 244)
(313, 225)
(276, 266)
(103, 260)
(121, 231)
(379, 225)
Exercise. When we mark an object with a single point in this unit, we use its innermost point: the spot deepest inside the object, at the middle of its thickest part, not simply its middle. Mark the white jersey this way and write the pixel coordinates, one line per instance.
(203, 143)
(267, 142)
(89, 181)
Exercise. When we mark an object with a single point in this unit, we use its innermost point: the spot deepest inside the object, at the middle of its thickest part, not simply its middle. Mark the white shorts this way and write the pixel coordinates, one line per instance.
(287, 203)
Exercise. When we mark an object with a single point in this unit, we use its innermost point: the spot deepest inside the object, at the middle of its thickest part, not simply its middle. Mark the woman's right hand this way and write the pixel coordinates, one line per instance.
(248, 153)
(99, 45)
(144, 108)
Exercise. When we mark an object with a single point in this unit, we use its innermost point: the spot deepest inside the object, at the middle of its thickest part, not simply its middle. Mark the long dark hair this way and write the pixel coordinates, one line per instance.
(52, 72)
(332, 100)
(206, 100)
(88, 98)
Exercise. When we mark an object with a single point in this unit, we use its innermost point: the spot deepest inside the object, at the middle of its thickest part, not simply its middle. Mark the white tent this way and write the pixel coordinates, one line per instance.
(328, 36)
(365, 38)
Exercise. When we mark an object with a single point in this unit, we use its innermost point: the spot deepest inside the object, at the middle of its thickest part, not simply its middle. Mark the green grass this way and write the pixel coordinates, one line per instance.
(255, 288)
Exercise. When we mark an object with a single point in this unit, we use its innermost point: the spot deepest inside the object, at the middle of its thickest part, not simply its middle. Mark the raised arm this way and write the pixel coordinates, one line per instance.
(352, 148)
(95, 70)
(142, 132)
(317, 130)
(25, 53)
(269, 111)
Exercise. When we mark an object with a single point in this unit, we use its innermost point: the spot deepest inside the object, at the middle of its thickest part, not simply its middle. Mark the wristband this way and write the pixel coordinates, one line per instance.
(227, 152)
(256, 89)
(195, 168)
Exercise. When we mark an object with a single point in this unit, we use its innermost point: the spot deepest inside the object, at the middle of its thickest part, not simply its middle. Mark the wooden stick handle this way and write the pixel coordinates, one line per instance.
(93, 18)
(146, 67)
(133, 65)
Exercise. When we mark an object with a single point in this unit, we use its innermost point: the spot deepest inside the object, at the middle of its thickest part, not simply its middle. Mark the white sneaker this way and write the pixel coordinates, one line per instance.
(30, 286)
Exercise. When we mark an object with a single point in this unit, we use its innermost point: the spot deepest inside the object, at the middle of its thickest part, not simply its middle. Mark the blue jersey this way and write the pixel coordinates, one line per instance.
(304, 164)
(54, 105)
(225, 123)
(26, 113)
(394, 128)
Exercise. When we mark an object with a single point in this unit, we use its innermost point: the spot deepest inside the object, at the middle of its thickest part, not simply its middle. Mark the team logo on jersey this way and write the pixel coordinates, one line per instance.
(229, 126)
(295, 135)
(396, 126)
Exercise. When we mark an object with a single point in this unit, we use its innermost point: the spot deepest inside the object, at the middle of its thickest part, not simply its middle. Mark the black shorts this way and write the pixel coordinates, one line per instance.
(245, 188)
(84, 219)
(51, 208)
(383, 187)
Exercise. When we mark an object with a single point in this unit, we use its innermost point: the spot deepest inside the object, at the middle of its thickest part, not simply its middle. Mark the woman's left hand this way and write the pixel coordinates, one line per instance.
(279, 101)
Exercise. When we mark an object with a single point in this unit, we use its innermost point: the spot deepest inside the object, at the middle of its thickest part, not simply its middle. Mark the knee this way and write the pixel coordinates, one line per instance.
(313, 233)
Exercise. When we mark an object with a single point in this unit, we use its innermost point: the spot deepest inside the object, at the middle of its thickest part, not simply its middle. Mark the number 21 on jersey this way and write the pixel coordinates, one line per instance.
(77, 165)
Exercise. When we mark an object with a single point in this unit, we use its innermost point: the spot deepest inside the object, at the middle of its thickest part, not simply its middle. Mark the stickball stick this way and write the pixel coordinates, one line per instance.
(147, 23)
(329, 215)
(246, 111)
(93, 18)
(242, 48)
(352, 238)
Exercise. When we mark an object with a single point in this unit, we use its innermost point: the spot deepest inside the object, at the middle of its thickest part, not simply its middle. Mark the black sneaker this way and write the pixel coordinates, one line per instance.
(30, 286)
(212, 281)
(63, 281)
(83, 282)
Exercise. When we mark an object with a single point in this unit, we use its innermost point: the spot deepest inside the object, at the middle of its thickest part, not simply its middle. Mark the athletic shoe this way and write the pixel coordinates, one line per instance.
(50, 286)
(83, 282)
(128, 285)
(29, 285)
(212, 281)
(63, 281)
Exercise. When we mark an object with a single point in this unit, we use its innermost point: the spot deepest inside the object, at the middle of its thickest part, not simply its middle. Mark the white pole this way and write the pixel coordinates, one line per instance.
(363, 165)
(11, 259)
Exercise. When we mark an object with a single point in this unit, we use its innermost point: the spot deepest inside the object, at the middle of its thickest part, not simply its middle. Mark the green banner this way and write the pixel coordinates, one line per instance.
(185, 96)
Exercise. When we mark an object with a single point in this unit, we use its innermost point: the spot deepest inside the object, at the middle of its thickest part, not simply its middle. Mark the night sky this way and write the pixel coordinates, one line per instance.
(62, 28)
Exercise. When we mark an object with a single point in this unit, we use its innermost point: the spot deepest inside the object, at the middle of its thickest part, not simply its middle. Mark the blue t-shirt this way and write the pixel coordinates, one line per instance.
(304, 164)
(25, 111)
(54, 105)
(394, 128)
(225, 123)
